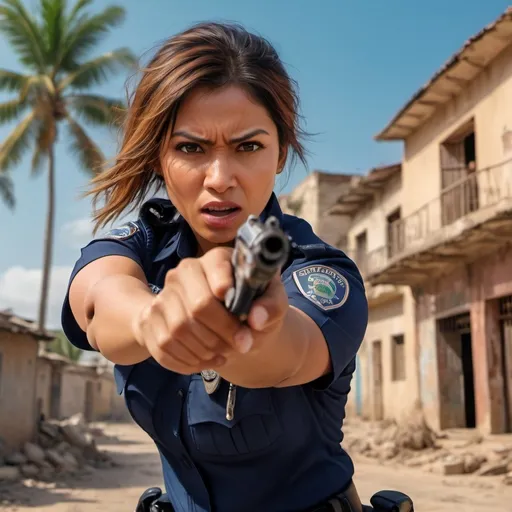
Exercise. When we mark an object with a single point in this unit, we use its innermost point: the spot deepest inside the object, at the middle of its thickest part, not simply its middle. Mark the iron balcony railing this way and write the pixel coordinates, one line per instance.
(481, 189)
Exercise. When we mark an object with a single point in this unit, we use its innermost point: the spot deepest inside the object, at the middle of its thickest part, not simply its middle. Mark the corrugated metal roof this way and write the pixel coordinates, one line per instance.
(17, 325)
(452, 77)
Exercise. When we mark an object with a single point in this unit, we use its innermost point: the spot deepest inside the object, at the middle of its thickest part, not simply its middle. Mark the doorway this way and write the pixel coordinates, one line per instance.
(456, 377)
(506, 358)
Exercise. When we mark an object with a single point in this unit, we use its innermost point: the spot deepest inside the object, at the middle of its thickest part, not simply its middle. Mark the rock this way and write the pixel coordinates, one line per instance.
(15, 459)
(473, 463)
(453, 466)
(63, 447)
(493, 469)
(29, 470)
(509, 467)
(55, 458)
(75, 436)
(9, 473)
(49, 429)
(508, 478)
(502, 450)
(388, 450)
(34, 453)
(70, 460)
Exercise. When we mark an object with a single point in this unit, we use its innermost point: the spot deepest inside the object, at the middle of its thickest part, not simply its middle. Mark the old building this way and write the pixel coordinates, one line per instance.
(311, 198)
(19, 341)
(452, 238)
(387, 360)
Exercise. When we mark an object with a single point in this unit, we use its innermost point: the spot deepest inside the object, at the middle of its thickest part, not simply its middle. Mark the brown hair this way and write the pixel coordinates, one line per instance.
(210, 54)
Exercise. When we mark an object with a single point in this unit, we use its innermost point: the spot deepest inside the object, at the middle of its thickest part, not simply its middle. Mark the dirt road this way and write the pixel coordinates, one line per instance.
(117, 489)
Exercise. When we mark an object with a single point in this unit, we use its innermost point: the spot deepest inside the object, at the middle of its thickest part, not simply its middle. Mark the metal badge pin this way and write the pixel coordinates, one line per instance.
(230, 404)
(211, 380)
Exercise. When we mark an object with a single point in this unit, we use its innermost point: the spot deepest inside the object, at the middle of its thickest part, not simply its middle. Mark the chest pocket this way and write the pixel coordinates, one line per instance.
(254, 428)
(142, 384)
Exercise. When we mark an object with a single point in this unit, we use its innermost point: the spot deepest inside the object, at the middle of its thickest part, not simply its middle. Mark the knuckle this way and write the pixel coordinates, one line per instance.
(201, 305)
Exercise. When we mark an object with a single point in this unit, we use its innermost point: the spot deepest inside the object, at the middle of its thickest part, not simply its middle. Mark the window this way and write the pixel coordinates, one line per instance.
(395, 230)
(398, 357)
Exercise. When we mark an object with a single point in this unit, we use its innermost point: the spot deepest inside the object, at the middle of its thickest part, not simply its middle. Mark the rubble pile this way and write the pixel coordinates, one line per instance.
(60, 448)
(414, 444)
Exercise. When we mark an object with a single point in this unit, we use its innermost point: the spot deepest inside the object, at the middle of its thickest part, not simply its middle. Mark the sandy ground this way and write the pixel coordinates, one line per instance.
(117, 489)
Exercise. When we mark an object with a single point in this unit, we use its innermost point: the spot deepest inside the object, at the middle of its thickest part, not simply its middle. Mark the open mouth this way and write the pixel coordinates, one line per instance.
(220, 212)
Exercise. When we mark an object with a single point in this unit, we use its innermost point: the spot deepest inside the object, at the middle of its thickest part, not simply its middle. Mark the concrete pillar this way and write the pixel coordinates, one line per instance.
(487, 357)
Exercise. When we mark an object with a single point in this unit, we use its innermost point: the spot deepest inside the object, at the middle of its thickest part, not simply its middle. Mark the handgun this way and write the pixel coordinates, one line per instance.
(261, 249)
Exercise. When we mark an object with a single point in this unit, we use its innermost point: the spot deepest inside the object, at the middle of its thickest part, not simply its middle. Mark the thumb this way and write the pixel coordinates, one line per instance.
(270, 307)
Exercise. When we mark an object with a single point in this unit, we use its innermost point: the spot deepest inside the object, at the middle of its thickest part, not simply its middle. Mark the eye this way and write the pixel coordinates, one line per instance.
(189, 147)
(249, 147)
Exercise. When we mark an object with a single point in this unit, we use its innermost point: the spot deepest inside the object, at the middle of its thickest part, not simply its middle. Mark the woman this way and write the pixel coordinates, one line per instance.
(214, 120)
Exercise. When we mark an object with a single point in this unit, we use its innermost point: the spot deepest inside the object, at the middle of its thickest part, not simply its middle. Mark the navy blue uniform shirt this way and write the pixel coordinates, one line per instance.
(281, 452)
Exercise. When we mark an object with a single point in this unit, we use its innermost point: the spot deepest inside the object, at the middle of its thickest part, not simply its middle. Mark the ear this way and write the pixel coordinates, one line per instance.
(282, 160)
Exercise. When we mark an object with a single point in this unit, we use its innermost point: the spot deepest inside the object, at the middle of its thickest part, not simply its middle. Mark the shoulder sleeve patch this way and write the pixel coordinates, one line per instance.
(322, 285)
(122, 232)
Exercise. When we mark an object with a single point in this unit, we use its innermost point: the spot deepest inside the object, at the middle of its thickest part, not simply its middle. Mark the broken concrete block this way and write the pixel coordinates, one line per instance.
(493, 469)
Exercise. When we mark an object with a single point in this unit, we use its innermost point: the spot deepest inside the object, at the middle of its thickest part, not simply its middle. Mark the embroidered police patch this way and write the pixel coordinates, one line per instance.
(322, 285)
(123, 232)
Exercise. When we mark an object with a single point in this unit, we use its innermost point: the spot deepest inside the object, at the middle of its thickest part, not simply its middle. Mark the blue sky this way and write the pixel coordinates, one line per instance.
(356, 62)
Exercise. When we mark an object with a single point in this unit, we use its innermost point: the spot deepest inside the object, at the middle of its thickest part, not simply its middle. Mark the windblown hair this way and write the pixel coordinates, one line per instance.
(208, 54)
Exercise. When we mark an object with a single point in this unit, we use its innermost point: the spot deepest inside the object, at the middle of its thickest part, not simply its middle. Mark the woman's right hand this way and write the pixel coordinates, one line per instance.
(187, 328)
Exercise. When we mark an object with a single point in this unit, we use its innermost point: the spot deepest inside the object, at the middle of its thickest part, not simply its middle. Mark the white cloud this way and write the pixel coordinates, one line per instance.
(20, 290)
(77, 233)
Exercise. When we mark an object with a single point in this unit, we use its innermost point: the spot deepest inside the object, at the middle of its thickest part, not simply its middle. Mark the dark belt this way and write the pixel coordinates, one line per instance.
(346, 501)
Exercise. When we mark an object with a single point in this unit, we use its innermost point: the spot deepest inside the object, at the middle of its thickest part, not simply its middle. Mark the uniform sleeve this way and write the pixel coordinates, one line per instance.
(128, 240)
(327, 286)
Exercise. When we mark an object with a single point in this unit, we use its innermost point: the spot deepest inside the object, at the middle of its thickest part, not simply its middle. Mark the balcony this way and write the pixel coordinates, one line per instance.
(470, 218)
(378, 294)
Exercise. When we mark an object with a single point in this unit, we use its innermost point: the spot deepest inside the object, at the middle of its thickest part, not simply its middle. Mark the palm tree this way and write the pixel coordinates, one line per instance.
(54, 44)
(7, 190)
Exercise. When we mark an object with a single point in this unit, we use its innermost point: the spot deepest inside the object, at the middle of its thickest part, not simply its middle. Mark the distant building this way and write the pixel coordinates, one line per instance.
(387, 361)
(19, 341)
(311, 198)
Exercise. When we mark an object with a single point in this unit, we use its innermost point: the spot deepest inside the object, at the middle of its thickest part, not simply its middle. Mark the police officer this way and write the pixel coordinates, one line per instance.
(213, 121)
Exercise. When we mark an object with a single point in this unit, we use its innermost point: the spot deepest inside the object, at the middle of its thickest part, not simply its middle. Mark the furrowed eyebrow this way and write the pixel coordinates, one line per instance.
(234, 140)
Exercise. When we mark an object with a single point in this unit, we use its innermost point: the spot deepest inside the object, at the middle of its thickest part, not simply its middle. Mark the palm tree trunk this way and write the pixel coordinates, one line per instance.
(48, 241)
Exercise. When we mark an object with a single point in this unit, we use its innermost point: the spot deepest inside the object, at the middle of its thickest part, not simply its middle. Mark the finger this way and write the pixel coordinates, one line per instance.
(218, 269)
(181, 352)
(205, 308)
(270, 307)
(156, 334)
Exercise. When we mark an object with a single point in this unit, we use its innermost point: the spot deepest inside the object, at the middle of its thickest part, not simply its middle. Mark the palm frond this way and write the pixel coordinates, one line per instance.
(89, 154)
(53, 28)
(87, 32)
(17, 142)
(11, 110)
(7, 191)
(11, 81)
(24, 34)
(36, 87)
(97, 70)
(77, 8)
(97, 109)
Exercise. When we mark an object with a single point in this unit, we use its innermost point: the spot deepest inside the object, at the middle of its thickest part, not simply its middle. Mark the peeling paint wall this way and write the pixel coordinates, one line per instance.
(17, 388)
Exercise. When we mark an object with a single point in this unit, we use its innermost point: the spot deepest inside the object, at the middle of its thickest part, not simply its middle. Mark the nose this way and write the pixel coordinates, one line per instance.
(220, 175)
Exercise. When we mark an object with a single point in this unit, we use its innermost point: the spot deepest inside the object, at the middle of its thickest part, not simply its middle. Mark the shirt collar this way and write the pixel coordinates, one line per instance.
(184, 244)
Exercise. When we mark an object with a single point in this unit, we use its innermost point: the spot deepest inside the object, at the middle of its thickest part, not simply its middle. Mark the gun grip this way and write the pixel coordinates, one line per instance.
(391, 501)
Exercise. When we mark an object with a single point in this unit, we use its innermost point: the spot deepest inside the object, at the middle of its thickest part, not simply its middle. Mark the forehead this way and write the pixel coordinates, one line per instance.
(229, 107)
